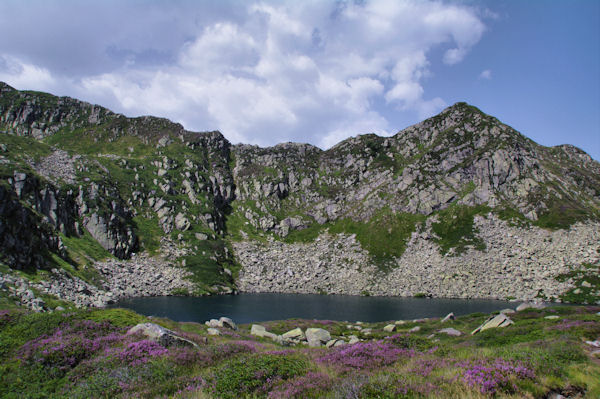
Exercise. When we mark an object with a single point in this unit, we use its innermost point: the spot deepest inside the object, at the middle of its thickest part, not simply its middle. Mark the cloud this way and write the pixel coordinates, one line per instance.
(262, 72)
(485, 74)
(23, 74)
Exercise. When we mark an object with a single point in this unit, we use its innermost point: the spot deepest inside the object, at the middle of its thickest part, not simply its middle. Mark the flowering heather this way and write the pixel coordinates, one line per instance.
(567, 324)
(323, 322)
(5, 317)
(365, 355)
(491, 377)
(70, 344)
(302, 387)
(425, 366)
(141, 352)
(194, 385)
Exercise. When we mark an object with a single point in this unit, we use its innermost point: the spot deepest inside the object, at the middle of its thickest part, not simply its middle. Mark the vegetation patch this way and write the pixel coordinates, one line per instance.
(82, 354)
(455, 228)
(587, 284)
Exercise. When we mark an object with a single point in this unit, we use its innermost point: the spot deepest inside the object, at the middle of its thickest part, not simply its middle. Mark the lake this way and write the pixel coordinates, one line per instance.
(248, 308)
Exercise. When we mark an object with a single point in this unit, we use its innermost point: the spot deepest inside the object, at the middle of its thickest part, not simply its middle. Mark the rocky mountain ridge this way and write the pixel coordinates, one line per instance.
(79, 184)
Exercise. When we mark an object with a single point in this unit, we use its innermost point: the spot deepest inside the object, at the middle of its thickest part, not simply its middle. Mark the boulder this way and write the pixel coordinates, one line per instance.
(296, 333)
(389, 328)
(449, 317)
(213, 331)
(552, 317)
(335, 342)
(228, 323)
(507, 311)
(415, 329)
(225, 322)
(181, 222)
(530, 305)
(500, 320)
(451, 331)
(213, 323)
(317, 336)
(353, 339)
(160, 335)
(258, 330)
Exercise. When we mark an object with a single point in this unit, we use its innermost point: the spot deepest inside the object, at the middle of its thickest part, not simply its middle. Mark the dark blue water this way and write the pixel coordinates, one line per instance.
(247, 308)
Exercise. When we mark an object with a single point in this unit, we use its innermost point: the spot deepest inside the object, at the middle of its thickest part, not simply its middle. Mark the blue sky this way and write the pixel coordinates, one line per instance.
(264, 72)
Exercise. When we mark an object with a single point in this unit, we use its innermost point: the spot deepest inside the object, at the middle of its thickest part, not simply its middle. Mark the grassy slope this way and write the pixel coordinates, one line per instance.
(93, 358)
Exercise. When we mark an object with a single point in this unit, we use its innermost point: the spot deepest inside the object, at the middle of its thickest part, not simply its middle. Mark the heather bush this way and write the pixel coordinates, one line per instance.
(28, 326)
(546, 357)
(393, 386)
(69, 344)
(409, 341)
(493, 376)
(6, 316)
(140, 352)
(365, 355)
(255, 374)
(311, 385)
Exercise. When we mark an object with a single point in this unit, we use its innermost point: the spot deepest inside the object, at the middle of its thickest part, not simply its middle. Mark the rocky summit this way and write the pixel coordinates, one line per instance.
(95, 206)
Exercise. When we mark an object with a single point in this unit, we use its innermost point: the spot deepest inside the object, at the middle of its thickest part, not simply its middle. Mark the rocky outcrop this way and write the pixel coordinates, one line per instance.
(517, 262)
(25, 237)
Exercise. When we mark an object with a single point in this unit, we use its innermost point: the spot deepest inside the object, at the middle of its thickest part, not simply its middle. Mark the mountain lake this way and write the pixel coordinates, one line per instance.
(248, 308)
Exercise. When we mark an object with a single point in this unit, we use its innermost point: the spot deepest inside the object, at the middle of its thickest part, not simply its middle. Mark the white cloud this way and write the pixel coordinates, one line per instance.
(485, 74)
(25, 75)
(275, 71)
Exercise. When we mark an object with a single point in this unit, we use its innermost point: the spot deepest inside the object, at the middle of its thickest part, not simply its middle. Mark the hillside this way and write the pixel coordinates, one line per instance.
(95, 206)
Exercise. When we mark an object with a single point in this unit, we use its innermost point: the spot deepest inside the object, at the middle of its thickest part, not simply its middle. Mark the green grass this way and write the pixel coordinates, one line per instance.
(239, 365)
(384, 236)
(455, 228)
(149, 233)
(85, 249)
(587, 284)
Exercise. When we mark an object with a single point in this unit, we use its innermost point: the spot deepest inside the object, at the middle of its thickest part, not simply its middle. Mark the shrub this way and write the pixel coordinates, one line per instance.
(141, 352)
(311, 385)
(69, 344)
(365, 355)
(491, 377)
(252, 374)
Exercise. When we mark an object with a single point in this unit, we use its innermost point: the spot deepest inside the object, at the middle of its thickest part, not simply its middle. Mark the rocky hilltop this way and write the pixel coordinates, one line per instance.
(458, 205)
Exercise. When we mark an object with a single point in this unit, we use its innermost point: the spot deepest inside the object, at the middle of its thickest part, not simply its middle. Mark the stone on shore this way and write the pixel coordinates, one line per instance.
(228, 323)
(500, 320)
(389, 328)
(451, 332)
(530, 305)
(160, 335)
(353, 339)
(295, 334)
(449, 317)
(317, 336)
(258, 330)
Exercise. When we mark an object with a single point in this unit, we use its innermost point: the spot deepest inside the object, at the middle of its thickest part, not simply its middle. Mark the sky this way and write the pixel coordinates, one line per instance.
(315, 71)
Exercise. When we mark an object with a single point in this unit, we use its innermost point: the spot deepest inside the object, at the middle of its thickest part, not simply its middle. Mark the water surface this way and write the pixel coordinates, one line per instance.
(248, 308)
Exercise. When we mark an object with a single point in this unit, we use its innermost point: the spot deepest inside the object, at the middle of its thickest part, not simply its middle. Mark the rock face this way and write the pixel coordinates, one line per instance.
(459, 205)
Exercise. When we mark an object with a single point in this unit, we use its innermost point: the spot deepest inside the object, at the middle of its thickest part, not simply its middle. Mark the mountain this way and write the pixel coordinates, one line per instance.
(103, 206)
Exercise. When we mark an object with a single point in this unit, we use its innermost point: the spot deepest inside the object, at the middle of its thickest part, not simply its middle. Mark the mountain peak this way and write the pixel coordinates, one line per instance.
(4, 87)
